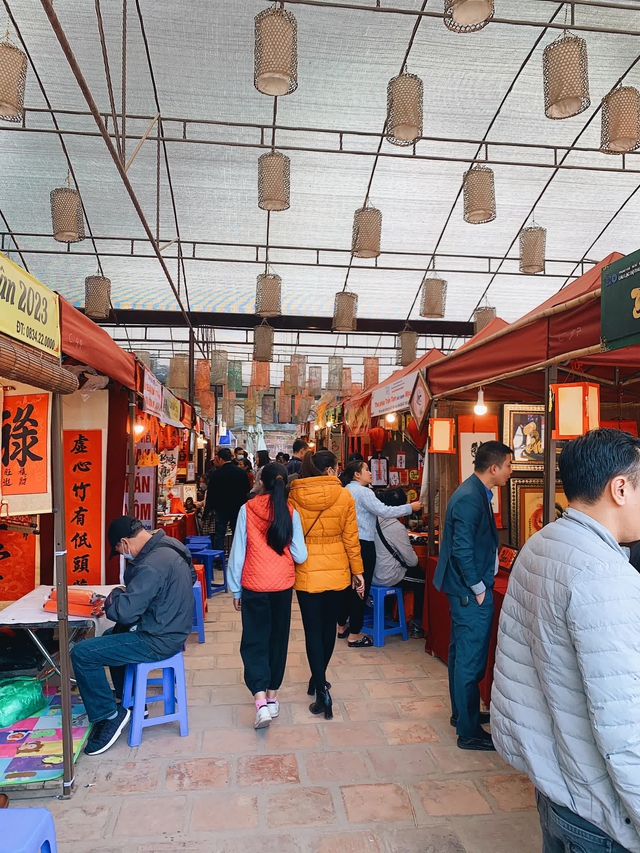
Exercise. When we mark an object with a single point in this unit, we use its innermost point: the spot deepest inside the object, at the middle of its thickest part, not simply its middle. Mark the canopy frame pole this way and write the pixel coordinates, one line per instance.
(430, 461)
(549, 479)
(131, 480)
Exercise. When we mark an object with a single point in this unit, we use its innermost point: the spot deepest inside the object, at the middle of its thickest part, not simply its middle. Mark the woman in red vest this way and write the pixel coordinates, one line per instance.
(267, 544)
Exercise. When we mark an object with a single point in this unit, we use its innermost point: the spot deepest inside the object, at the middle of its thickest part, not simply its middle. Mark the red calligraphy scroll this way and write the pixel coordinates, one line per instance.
(18, 561)
(25, 420)
(83, 504)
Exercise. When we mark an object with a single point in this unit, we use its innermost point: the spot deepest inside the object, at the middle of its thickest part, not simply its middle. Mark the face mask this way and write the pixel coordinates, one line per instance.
(239, 457)
(127, 555)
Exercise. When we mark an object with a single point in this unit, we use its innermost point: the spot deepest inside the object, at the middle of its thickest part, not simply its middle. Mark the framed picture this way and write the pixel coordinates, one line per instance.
(404, 477)
(394, 478)
(379, 471)
(419, 401)
(523, 430)
(526, 508)
(401, 460)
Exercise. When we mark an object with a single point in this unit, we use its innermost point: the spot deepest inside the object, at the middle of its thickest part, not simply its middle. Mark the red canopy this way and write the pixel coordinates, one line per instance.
(89, 344)
(420, 363)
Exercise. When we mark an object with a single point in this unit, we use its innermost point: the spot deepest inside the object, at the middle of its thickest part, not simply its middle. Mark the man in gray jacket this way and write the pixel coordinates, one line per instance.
(153, 616)
(565, 703)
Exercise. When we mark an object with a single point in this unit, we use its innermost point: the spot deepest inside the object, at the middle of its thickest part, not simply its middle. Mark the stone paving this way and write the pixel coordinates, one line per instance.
(384, 775)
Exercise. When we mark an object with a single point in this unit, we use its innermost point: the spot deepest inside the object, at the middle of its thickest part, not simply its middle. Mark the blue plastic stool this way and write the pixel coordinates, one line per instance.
(27, 831)
(207, 558)
(198, 612)
(379, 627)
(174, 689)
(195, 540)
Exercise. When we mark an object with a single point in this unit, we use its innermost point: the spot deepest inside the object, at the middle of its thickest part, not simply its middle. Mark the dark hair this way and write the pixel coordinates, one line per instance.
(315, 464)
(350, 472)
(262, 458)
(355, 457)
(224, 453)
(591, 461)
(392, 497)
(491, 453)
(299, 445)
(274, 478)
(286, 457)
(239, 449)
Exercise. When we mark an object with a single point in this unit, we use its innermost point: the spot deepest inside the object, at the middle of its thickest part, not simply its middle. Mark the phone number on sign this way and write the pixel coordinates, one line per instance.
(34, 335)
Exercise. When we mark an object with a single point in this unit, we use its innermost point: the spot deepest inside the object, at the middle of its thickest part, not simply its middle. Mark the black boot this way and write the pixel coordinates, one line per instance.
(311, 689)
(322, 705)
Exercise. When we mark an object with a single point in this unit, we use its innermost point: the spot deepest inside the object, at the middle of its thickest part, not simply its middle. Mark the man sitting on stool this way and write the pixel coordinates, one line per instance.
(153, 616)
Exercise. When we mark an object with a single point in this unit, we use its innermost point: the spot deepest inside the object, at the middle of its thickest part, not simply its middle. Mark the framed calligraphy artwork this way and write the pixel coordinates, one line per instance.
(82, 456)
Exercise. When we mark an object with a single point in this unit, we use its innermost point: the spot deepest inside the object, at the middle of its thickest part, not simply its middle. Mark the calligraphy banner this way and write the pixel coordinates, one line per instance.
(144, 499)
(19, 561)
(82, 459)
(25, 485)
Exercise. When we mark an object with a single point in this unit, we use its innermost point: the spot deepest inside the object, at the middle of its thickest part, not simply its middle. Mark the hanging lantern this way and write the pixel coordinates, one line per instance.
(407, 341)
(315, 380)
(276, 52)
(334, 382)
(479, 195)
(345, 309)
(566, 77)
(220, 365)
(229, 407)
(298, 373)
(620, 121)
(367, 227)
(203, 375)
(404, 109)
(234, 375)
(371, 372)
(268, 290)
(284, 406)
(577, 409)
(179, 372)
(482, 317)
(533, 241)
(263, 342)
(303, 408)
(441, 432)
(467, 16)
(66, 215)
(207, 403)
(143, 356)
(97, 297)
(346, 389)
(274, 170)
(261, 375)
(268, 409)
(434, 297)
(250, 411)
(377, 438)
(13, 76)
(356, 388)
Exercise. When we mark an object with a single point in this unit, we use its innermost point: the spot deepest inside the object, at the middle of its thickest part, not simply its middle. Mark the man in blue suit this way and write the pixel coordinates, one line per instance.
(466, 568)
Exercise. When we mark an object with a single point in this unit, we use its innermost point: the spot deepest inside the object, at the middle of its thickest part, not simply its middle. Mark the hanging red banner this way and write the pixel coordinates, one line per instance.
(18, 561)
(82, 450)
(25, 420)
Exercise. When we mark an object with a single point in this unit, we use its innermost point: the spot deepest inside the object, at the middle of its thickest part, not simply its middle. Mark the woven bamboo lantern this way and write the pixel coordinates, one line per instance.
(334, 382)
(347, 382)
(315, 380)
(13, 76)
(566, 77)
(404, 109)
(218, 373)
(533, 241)
(203, 375)
(66, 215)
(261, 375)
(207, 403)
(467, 16)
(434, 297)
(284, 406)
(274, 171)
(97, 297)
(179, 371)
(268, 409)
(367, 228)
(482, 317)
(479, 195)
(143, 356)
(234, 376)
(371, 371)
(263, 342)
(620, 121)
(407, 343)
(276, 52)
(345, 311)
(268, 295)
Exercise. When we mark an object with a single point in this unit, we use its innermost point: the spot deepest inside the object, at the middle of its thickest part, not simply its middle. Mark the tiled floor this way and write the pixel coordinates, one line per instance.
(384, 775)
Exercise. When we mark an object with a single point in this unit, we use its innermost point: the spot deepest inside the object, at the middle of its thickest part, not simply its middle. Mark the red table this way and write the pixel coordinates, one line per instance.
(437, 623)
(191, 528)
(176, 527)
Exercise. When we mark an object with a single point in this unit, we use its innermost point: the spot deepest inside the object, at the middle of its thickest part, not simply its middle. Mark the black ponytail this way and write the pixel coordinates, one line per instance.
(280, 533)
(349, 473)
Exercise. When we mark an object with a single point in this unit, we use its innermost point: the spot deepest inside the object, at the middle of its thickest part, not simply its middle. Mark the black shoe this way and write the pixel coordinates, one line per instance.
(311, 689)
(344, 634)
(416, 631)
(107, 732)
(323, 705)
(484, 719)
(482, 744)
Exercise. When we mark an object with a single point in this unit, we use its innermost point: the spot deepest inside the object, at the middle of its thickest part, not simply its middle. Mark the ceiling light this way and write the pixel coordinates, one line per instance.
(268, 295)
(467, 16)
(482, 317)
(345, 309)
(274, 171)
(391, 418)
(97, 297)
(13, 76)
(434, 297)
(479, 195)
(67, 217)
(138, 429)
(367, 228)
(620, 121)
(276, 52)
(404, 109)
(407, 342)
(263, 342)
(480, 408)
(533, 240)
(565, 77)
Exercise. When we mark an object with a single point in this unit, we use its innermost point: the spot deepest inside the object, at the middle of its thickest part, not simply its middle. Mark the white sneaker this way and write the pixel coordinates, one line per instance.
(263, 718)
(274, 708)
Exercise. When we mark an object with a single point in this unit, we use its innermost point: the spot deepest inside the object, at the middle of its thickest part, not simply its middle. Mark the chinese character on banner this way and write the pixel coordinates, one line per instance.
(83, 504)
(24, 456)
(18, 561)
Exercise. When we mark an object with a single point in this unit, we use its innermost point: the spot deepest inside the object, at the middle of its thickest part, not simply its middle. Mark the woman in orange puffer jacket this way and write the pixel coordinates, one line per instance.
(328, 516)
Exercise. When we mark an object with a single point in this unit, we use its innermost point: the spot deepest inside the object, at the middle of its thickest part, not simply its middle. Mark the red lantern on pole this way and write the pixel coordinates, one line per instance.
(418, 438)
(377, 437)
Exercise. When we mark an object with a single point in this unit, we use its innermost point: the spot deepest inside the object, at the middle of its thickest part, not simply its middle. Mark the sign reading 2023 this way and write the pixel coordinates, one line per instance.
(28, 310)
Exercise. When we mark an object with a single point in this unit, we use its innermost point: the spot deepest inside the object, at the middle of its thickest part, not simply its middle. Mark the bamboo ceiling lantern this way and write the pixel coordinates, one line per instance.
(404, 109)
(620, 121)
(482, 317)
(367, 227)
(276, 52)
(263, 342)
(566, 77)
(479, 195)
(274, 172)
(407, 343)
(66, 215)
(533, 241)
(144, 357)
(13, 76)
(434, 297)
(345, 311)
(179, 372)
(97, 297)
(268, 295)
(219, 370)
(467, 16)
(334, 381)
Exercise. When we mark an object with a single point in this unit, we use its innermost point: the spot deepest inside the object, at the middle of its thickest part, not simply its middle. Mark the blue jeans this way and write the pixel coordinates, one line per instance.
(89, 659)
(566, 832)
(468, 652)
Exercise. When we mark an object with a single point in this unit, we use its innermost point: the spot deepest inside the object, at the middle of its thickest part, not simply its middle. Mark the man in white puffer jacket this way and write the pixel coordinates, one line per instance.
(566, 691)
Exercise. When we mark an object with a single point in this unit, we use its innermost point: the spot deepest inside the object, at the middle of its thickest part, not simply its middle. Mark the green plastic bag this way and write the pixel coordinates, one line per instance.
(20, 698)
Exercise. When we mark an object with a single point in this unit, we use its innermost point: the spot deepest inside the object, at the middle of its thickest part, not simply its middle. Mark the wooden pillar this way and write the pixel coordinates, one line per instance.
(192, 366)
(549, 477)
